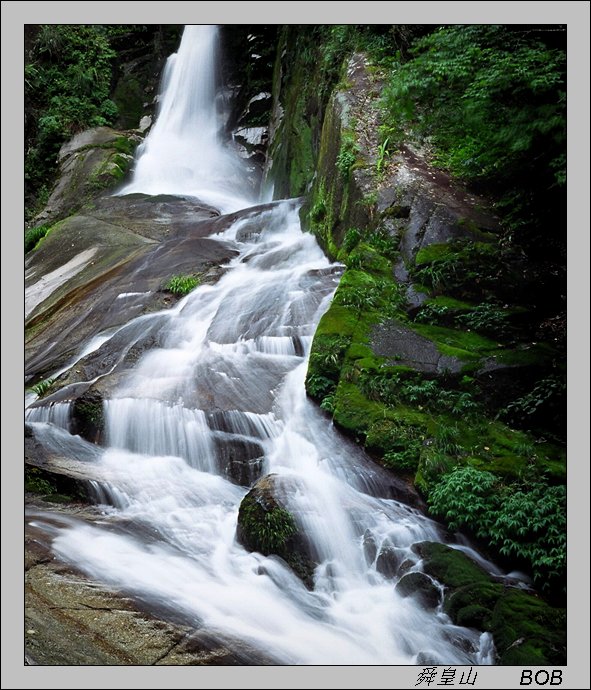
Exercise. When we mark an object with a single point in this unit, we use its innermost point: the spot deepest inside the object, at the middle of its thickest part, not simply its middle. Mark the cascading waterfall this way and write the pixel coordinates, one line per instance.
(183, 153)
(229, 372)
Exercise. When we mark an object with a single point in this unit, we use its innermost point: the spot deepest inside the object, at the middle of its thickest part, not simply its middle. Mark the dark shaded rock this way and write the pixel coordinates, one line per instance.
(54, 486)
(88, 418)
(369, 547)
(126, 247)
(421, 587)
(240, 460)
(264, 525)
(388, 561)
(405, 566)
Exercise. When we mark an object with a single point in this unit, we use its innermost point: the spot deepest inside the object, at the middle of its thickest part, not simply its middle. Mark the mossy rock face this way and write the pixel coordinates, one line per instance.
(472, 602)
(421, 587)
(91, 163)
(528, 631)
(264, 525)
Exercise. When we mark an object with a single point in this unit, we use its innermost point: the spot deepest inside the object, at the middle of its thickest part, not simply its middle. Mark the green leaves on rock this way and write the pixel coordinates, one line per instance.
(526, 522)
(181, 285)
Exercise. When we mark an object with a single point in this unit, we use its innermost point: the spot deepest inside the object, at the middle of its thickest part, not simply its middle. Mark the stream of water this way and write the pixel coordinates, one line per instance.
(229, 373)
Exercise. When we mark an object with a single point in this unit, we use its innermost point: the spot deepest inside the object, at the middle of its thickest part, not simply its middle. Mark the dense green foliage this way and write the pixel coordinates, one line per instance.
(492, 101)
(67, 84)
(526, 522)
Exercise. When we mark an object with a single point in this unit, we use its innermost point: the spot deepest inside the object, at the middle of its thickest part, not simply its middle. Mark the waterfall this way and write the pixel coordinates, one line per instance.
(227, 381)
(184, 153)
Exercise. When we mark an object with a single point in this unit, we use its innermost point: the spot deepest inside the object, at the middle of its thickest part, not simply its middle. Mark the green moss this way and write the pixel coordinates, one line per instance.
(366, 257)
(472, 604)
(338, 320)
(449, 302)
(36, 481)
(451, 567)
(527, 631)
(268, 531)
(540, 354)
(54, 488)
(474, 616)
(88, 416)
(433, 252)
(353, 411)
(463, 341)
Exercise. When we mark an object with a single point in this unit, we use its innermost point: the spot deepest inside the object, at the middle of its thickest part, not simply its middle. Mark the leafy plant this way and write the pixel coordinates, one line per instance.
(491, 100)
(471, 267)
(328, 403)
(486, 317)
(182, 284)
(546, 398)
(42, 387)
(351, 240)
(384, 243)
(383, 155)
(34, 235)
(347, 156)
(446, 439)
(531, 524)
(433, 314)
(67, 82)
(319, 386)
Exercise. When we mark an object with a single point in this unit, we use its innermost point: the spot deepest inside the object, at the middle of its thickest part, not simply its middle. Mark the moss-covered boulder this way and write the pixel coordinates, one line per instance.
(264, 525)
(526, 629)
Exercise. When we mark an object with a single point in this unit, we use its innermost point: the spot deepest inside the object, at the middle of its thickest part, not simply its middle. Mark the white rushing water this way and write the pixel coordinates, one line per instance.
(184, 153)
(227, 381)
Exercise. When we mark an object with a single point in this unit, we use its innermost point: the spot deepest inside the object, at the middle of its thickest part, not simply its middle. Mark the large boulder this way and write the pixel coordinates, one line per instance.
(266, 526)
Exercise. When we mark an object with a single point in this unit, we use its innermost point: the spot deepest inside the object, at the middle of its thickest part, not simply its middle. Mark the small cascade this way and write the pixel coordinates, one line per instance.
(58, 413)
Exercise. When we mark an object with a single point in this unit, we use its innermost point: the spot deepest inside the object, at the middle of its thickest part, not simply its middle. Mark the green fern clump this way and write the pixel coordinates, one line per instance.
(42, 387)
(527, 522)
(182, 284)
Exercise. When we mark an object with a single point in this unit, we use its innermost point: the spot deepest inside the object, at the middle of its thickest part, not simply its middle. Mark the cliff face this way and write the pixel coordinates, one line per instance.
(429, 354)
